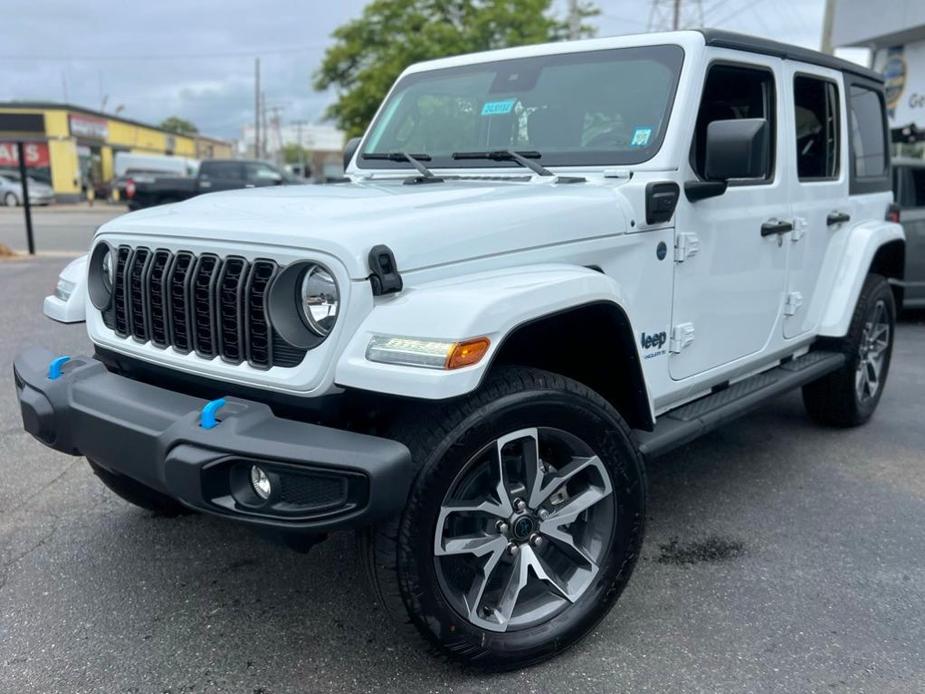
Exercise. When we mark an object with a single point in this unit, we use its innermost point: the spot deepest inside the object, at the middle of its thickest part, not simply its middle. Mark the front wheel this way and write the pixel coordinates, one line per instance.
(523, 525)
(10, 200)
(849, 396)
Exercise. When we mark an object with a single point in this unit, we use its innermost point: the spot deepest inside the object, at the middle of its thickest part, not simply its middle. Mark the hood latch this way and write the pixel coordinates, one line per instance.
(385, 278)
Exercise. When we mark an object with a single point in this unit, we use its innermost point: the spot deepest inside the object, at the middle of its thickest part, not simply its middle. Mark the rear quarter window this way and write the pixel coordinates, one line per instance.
(868, 139)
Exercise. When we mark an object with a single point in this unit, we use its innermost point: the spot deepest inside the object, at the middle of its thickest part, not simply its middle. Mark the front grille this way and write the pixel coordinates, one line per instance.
(312, 490)
(205, 304)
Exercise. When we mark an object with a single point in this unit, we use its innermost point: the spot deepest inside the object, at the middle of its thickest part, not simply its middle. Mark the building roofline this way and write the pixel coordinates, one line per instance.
(56, 105)
(754, 44)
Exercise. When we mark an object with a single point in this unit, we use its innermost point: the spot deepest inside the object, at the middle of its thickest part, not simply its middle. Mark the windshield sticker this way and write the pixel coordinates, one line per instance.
(498, 108)
(641, 137)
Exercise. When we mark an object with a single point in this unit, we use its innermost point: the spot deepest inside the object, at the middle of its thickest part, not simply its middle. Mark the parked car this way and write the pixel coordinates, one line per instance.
(909, 191)
(547, 265)
(11, 191)
(213, 175)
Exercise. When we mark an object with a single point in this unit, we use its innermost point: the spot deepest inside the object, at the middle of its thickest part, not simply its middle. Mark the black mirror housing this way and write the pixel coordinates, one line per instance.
(350, 149)
(738, 148)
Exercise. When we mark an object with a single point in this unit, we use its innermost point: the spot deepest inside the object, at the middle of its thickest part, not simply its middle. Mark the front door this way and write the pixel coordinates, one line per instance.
(818, 183)
(730, 270)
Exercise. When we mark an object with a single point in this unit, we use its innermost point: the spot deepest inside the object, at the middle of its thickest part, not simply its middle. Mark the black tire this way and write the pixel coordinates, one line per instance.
(833, 400)
(400, 556)
(139, 494)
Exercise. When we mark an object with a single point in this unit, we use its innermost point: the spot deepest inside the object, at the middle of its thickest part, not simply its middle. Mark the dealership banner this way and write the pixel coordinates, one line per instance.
(903, 67)
(36, 154)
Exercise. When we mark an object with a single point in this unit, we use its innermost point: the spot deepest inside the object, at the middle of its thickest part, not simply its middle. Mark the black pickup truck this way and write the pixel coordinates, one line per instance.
(213, 175)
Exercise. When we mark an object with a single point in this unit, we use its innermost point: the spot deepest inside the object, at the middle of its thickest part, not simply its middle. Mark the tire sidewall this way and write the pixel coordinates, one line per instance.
(421, 589)
(8, 197)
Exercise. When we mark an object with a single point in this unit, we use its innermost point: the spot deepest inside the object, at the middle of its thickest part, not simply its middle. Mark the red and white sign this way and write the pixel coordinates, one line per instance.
(87, 126)
(36, 154)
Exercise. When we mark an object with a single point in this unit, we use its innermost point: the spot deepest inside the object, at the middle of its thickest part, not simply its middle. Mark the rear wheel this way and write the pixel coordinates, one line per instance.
(139, 494)
(523, 525)
(10, 200)
(849, 396)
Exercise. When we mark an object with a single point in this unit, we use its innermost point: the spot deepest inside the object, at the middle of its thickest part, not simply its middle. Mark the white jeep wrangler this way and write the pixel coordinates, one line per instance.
(545, 265)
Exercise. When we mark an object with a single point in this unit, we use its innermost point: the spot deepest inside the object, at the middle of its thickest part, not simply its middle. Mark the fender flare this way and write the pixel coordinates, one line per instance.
(860, 249)
(491, 304)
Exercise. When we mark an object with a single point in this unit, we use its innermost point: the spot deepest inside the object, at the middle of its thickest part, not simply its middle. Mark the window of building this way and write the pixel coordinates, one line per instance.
(816, 104)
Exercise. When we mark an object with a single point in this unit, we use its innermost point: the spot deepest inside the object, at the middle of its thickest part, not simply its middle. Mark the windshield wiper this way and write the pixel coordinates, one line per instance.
(525, 159)
(427, 176)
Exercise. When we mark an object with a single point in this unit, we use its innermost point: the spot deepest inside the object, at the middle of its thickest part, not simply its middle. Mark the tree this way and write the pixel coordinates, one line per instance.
(178, 125)
(370, 52)
(293, 154)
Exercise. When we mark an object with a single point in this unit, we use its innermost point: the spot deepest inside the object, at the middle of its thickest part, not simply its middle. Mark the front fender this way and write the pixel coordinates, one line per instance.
(72, 309)
(861, 245)
(489, 304)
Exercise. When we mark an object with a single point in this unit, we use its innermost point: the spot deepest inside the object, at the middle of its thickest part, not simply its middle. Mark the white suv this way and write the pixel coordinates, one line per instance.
(545, 265)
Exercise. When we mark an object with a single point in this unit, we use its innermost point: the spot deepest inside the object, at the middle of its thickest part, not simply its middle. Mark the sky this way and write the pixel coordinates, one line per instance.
(195, 59)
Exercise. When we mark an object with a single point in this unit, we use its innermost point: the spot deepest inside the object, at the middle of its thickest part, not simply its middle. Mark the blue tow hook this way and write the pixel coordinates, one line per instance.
(207, 418)
(54, 367)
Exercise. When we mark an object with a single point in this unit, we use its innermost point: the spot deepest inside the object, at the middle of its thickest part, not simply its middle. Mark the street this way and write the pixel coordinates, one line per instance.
(57, 229)
(779, 556)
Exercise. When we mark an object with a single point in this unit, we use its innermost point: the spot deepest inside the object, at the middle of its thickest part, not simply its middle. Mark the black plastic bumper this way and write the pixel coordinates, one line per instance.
(323, 478)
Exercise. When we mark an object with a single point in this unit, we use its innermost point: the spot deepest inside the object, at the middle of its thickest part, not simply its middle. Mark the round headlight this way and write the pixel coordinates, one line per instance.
(108, 269)
(319, 300)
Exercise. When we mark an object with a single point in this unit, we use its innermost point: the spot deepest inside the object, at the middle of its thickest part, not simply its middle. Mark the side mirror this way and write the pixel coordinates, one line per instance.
(737, 148)
(350, 149)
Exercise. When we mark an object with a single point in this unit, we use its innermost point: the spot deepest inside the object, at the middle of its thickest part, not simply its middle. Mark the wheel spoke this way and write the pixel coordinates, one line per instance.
(574, 507)
(530, 452)
(477, 589)
(477, 545)
(516, 582)
(542, 571)
(567, 473)
(565, 542)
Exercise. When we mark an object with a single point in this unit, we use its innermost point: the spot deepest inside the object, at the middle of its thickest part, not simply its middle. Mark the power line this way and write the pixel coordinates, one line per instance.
(249, 53)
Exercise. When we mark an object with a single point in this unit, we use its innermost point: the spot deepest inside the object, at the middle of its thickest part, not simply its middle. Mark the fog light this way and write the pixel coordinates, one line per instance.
(260, 482)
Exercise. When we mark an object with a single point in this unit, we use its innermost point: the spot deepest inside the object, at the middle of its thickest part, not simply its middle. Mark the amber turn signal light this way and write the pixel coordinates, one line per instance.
(467, 353)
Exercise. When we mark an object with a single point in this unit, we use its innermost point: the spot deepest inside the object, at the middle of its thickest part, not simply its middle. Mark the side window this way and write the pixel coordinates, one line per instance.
(916, 195)
(734, 92)
(868, 141)
(816, 106)
(224, 170)
(262, 174)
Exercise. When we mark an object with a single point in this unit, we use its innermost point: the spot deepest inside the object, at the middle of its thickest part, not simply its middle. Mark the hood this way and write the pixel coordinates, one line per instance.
(425, 225)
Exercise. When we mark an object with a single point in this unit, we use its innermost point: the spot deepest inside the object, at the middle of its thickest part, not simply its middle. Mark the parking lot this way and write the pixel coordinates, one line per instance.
(57, 229)
(779, 557)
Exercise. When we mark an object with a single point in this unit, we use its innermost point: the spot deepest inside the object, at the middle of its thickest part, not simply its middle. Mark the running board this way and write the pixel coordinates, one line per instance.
(686, 423)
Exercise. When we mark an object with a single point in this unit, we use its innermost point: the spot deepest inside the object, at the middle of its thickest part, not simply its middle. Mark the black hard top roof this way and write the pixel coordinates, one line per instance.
(754, 44)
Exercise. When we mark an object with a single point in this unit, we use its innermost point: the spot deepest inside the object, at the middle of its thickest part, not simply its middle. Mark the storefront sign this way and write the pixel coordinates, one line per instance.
(903, 67)
(36, 154)
(87, 126)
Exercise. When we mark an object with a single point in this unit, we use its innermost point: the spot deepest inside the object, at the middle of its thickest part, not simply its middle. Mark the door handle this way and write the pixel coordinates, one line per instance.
(837, 218)
(775, 226)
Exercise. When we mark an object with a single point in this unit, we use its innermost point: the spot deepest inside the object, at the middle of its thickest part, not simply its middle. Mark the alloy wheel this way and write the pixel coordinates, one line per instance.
(523, 529)
(875, 341)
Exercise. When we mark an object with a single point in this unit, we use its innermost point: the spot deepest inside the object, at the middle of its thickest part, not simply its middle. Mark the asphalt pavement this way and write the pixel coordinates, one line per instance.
(58, 229)
(779, 557)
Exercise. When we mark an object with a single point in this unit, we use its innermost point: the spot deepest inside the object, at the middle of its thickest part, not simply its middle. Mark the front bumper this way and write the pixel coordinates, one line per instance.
(324, 478)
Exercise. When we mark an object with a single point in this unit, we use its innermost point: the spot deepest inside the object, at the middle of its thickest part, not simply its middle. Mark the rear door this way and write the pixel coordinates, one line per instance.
(730, 274)
(818, 188)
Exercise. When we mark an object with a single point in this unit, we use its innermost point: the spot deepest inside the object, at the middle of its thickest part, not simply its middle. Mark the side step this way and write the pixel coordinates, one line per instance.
(686, 423)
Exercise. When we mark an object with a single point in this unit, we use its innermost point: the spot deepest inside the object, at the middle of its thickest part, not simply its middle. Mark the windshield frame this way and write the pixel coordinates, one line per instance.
(590, 159)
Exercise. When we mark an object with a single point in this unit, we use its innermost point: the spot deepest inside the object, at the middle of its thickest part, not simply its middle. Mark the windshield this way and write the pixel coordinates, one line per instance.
(576, 109)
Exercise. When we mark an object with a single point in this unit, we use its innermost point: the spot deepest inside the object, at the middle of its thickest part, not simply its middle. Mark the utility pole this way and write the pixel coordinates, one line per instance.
(827, 20)
(256, 108)
(672, 15)
(574, 20)
(676, 16)
(298, 124)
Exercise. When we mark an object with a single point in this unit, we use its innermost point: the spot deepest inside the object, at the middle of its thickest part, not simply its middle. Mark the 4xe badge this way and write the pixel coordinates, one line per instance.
(654, 341)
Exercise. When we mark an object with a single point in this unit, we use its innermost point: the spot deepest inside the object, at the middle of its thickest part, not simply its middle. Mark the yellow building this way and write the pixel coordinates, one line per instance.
(74, 148)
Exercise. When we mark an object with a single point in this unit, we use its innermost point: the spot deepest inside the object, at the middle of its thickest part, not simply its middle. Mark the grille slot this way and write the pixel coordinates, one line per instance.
(206, 304)
(157, 298)
(259, 338)
(312, 490)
